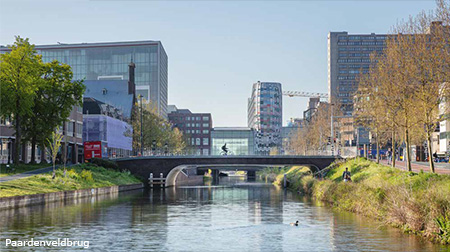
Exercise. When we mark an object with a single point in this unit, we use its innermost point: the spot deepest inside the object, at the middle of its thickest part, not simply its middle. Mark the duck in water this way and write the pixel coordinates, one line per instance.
(294, 224)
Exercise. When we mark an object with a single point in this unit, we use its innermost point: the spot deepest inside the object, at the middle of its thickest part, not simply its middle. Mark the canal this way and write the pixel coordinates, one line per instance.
(234, 215)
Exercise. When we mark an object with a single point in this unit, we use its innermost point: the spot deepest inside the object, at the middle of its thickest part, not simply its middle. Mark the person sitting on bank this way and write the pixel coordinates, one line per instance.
(346, 175)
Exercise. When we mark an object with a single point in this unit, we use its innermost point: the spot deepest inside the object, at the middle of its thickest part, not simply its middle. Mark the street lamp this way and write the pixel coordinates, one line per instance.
(142, 139)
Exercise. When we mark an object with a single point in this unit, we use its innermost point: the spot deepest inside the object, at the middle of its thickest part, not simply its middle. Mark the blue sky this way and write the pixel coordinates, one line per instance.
(216, 49)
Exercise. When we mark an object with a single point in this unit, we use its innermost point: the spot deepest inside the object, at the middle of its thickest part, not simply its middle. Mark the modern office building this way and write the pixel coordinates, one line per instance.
(288, 134)
(105, 124)
(348, 54)
(238, 140)
(114, 93)
(99, 61)
(195, 126)
(265, 116)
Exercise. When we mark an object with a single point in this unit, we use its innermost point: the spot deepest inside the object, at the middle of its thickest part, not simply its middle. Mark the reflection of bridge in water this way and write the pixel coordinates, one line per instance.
(171, 166)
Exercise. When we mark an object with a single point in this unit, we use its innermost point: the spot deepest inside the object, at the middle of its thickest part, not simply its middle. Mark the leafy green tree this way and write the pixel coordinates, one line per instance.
(20, 72)
(55, 97)
(155, 129)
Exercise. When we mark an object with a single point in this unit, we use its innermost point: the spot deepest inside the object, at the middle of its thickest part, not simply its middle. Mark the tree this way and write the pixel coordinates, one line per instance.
(20, 72)
(157, 132)
(55, 97)
(410, 80)
(54, 145)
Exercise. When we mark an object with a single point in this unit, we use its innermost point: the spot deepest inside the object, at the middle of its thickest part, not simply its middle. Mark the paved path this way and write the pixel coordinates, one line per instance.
(29, 173)
(441, 168)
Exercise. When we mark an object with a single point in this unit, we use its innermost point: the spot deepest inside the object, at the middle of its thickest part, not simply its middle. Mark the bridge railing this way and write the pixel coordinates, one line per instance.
(163, 152)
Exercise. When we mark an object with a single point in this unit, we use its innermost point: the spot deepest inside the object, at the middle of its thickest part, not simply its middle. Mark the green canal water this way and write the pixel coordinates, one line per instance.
(234, 215)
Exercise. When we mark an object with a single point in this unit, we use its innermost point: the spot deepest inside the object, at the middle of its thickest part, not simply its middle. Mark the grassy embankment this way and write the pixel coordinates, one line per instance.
(83, 176)
(20, 168)
(418, 203)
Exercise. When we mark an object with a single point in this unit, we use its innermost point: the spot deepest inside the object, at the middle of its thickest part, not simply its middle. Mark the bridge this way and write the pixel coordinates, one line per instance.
(171, 166)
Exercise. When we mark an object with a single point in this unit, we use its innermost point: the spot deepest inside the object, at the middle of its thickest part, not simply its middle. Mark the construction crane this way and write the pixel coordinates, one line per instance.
(305, 94)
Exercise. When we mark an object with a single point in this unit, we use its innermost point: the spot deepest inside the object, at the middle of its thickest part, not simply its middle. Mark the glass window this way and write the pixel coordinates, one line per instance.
(205, 141)
(205, 131)
(205, 118)
(197, 141)
(206, 125)
(198, 118)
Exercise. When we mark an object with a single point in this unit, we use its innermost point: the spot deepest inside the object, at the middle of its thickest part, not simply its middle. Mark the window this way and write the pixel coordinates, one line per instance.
(205, 118)
(205, 141)
(188, 118)
(197, 125)
(192, 141)
(188, 125)
(205, 131)
(197, 141)
(206, 125)
(205, 152)
(198, 118)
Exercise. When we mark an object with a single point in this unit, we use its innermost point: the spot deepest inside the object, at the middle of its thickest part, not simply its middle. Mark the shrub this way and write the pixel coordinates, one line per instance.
(105, 163)
(72, 174)
(86, 175)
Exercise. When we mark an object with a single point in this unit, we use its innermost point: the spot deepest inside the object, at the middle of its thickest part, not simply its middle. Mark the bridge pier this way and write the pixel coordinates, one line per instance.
(215, 175)
(251, 175)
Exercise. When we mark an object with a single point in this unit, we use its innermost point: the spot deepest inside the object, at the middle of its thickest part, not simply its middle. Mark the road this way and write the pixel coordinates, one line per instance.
(441, 168)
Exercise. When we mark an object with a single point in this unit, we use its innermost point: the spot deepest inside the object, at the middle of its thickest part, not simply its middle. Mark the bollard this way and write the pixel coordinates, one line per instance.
(162, 180)
(150, 180)
(284, 180)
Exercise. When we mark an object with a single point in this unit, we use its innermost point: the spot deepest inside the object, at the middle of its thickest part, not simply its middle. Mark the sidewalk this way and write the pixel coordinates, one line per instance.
(441, 168)
(30, 173)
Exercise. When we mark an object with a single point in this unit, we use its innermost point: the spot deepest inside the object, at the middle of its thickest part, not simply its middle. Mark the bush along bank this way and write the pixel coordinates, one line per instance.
(418, 203)
(83, 176)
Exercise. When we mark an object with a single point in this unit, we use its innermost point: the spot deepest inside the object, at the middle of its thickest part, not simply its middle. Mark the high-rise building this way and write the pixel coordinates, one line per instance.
(195, 126)
(100, 61)
(265, 116)
(348, 54)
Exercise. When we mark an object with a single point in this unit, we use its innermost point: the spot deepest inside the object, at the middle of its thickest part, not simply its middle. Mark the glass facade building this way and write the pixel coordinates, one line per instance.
(97, 61)
(239, 141)
(265, 111)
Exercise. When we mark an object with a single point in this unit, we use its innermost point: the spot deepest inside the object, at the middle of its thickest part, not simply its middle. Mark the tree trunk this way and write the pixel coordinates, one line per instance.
(18, 136)
(43, 150)
(430, 152)
(408, 154)
(33, 150)
(393, 148)
(378, 147)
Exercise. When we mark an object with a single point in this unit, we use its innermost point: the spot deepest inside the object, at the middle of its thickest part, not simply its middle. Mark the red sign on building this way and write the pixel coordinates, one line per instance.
(92, 150)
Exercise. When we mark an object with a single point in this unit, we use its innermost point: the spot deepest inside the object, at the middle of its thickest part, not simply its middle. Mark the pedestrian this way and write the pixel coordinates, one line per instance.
(389, 156)
(346, 175)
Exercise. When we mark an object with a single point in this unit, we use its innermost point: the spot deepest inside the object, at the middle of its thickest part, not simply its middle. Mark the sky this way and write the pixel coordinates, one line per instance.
(216, 49)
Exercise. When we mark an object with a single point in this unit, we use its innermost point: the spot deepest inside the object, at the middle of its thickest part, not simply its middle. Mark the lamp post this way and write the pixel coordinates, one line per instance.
(142, 138)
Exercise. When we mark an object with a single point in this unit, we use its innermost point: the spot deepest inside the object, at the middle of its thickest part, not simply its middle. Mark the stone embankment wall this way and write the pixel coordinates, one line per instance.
(34, 199)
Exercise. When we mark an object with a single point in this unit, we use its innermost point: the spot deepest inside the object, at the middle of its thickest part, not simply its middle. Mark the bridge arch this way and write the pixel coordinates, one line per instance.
(171, 166)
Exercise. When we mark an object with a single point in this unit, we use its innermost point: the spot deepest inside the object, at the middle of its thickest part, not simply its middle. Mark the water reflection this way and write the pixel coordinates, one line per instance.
(231, 216)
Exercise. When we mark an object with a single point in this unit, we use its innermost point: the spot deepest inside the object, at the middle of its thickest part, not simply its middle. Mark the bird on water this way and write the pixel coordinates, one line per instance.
(294, 224)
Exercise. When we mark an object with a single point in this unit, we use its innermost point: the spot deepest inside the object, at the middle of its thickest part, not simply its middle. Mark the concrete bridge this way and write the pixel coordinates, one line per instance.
(171, 166)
